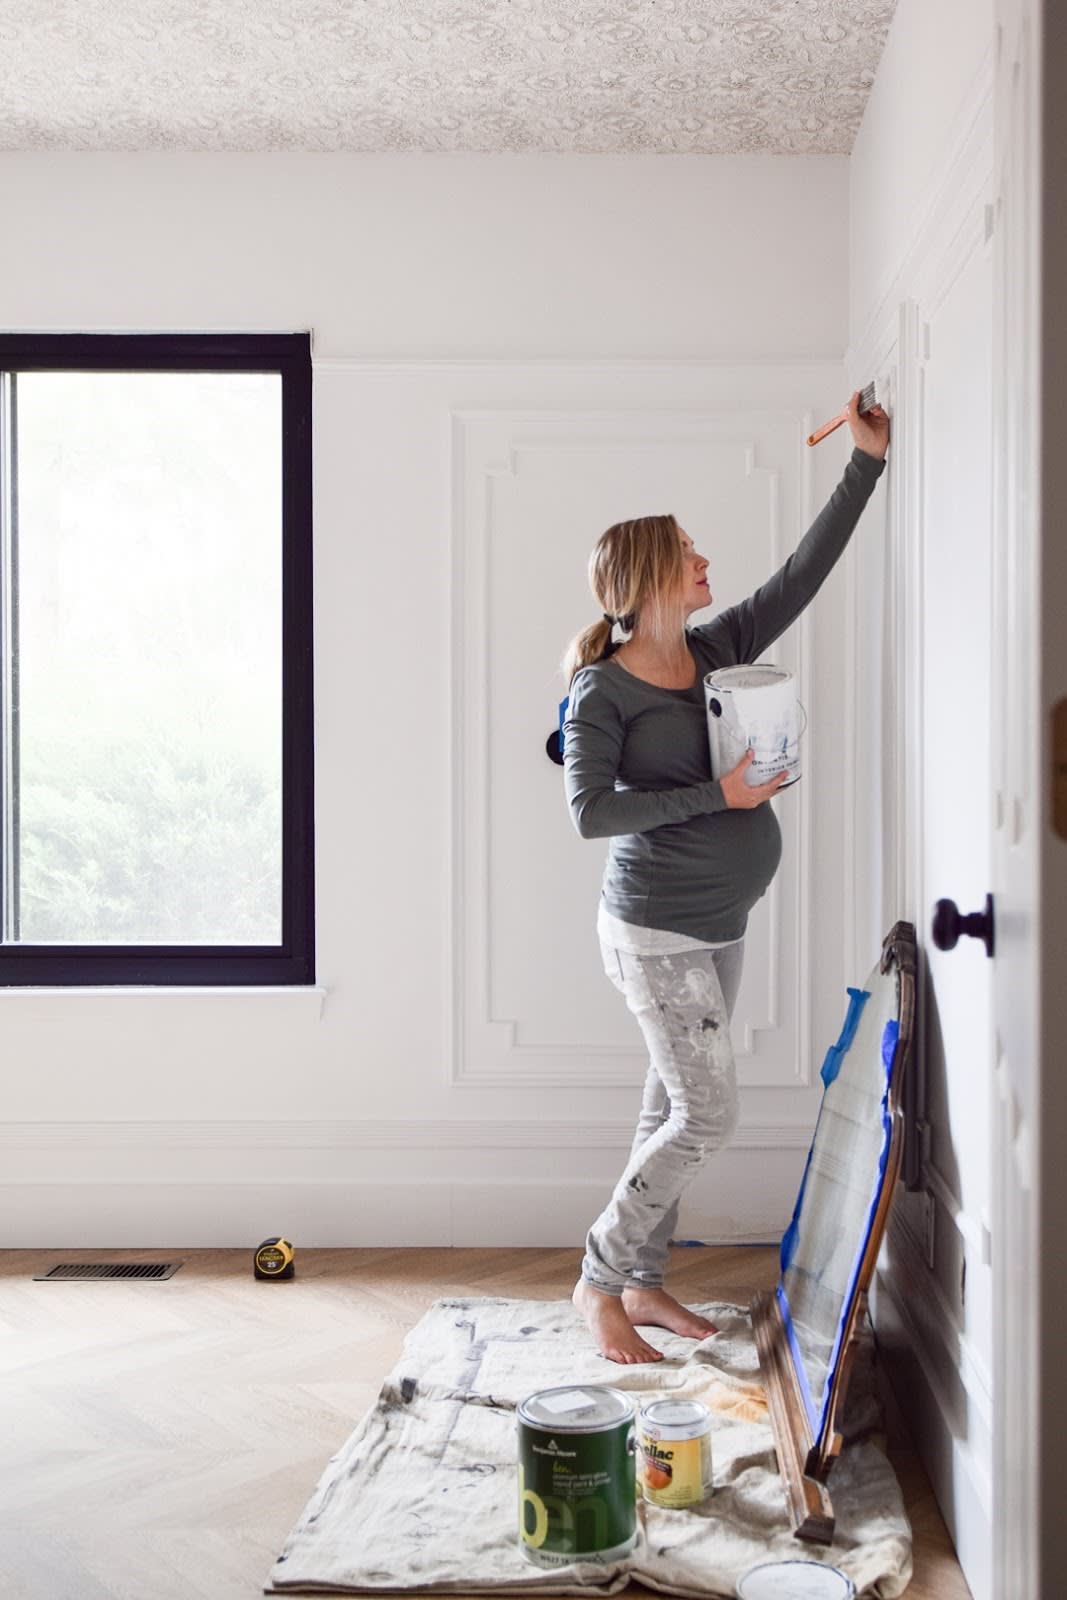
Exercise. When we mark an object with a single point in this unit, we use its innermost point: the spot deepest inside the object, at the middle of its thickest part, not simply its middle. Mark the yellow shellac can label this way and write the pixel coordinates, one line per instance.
(674, 1438)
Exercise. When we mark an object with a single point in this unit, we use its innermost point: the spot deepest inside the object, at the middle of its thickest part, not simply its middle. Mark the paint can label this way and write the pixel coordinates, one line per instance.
(675, 1454)
(754, 707)
(577, 1489)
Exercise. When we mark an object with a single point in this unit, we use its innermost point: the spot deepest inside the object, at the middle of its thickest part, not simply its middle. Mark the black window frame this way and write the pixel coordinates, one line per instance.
(292, 962)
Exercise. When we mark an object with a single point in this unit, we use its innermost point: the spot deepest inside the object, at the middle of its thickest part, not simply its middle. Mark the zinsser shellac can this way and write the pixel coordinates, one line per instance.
(577, 1476)
(674, 1437)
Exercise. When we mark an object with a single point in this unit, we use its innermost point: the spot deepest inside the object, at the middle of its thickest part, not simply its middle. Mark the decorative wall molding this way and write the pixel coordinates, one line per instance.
(490, 449)
(974, 1232)
(940, 1337)
(895, 346)
(882, 359)
(1028, 491)
(956, 1452)
(439, 366)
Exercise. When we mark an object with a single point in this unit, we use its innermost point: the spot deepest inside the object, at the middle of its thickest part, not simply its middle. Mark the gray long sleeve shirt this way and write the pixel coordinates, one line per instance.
(637, 768)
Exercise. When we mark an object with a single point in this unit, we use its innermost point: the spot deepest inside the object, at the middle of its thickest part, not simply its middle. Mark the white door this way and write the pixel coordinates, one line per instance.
(1029, 857)
(955, 866)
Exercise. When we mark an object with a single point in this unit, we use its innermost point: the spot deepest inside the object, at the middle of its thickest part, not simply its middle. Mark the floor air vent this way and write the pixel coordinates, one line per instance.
(108, 1269)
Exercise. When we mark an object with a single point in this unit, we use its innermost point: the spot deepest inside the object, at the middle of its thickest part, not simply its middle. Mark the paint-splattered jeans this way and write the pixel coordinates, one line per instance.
(683, 1004)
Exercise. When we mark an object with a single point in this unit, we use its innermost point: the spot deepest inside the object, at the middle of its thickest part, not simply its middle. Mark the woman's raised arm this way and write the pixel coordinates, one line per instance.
(755, 623)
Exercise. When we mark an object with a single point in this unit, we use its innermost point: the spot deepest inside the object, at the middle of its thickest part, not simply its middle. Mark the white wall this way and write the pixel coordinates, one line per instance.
(173, 1118)
(922, 105)
(428, 256)
(921, 311)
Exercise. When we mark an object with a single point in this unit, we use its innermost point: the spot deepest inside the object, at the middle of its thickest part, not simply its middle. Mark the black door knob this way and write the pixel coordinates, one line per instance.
(948, 925)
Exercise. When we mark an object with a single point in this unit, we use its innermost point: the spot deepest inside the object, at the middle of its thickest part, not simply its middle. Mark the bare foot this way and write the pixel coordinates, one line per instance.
(657, 1309)
(615, 1334)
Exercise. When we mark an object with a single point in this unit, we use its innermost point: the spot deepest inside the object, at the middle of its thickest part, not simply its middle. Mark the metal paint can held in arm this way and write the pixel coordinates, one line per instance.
(577, 1476)
(674, 1437)
(754, 708)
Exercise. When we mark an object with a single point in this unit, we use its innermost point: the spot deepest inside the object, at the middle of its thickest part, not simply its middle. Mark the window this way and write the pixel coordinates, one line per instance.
(156, 737)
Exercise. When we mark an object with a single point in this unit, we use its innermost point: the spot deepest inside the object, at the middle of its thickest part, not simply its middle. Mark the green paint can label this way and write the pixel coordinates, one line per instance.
(577, 1476)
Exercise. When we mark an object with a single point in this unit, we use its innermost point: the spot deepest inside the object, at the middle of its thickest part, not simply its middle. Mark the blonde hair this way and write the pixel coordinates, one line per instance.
(636, 569)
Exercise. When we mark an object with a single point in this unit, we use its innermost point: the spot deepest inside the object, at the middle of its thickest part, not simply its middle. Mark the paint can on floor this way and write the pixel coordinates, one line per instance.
(674, 1440)
(754, 708)
(794, 1580)
(577, 1476)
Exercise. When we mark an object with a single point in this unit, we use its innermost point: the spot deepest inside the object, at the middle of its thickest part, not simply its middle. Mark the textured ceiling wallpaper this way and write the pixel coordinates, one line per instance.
(706, 77)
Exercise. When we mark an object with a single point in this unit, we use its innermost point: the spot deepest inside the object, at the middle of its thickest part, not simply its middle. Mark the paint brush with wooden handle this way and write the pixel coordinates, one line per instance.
(868, 398)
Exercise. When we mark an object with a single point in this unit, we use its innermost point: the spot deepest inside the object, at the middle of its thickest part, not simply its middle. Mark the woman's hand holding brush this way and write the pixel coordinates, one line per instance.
(870, 426)
(870, 429)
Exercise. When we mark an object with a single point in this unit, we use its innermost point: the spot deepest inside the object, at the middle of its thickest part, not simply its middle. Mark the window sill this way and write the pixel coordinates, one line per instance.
(303, 997)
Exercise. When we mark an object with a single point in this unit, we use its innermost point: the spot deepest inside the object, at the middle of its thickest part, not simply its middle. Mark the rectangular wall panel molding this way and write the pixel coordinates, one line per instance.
(945, 1400)
(531, 491)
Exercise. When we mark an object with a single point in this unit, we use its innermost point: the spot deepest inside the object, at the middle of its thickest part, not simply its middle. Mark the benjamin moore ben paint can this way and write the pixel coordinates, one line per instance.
(577, 1478)
(754, 708)
(674, 1438)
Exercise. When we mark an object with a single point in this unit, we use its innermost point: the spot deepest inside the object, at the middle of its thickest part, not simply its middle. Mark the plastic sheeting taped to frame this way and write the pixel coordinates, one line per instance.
(830, 1068)
(890, 1035)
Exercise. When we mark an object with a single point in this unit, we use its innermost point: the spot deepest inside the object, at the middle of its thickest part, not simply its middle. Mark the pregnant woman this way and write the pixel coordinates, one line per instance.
(688, 858)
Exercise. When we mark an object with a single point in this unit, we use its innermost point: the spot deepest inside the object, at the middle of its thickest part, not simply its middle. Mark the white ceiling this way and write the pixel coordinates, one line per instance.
(706, 77)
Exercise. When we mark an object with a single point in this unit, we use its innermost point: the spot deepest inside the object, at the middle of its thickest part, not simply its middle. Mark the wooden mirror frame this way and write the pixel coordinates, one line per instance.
(804, 1460)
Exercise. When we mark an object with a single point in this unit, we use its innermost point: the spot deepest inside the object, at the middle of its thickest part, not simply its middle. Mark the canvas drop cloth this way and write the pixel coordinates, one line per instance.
(423, 1495)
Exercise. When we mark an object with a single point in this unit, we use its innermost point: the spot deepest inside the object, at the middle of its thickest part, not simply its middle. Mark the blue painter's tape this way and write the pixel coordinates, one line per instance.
(889, 1044)
(832, 1065)
(564, 703)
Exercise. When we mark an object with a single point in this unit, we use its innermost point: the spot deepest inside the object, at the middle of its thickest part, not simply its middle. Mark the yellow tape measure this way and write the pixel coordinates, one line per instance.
(274, 1259)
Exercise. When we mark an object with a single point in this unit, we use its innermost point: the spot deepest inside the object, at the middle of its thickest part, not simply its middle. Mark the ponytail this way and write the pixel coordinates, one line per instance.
(592, 644)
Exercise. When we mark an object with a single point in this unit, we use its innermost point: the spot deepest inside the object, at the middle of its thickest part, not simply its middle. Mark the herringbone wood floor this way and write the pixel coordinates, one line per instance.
(158, 1440)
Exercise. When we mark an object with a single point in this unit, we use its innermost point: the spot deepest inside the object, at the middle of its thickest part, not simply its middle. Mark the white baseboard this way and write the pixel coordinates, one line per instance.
(219, 1185)
(553, 1213)
(109, 1139)
(948, 1422)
